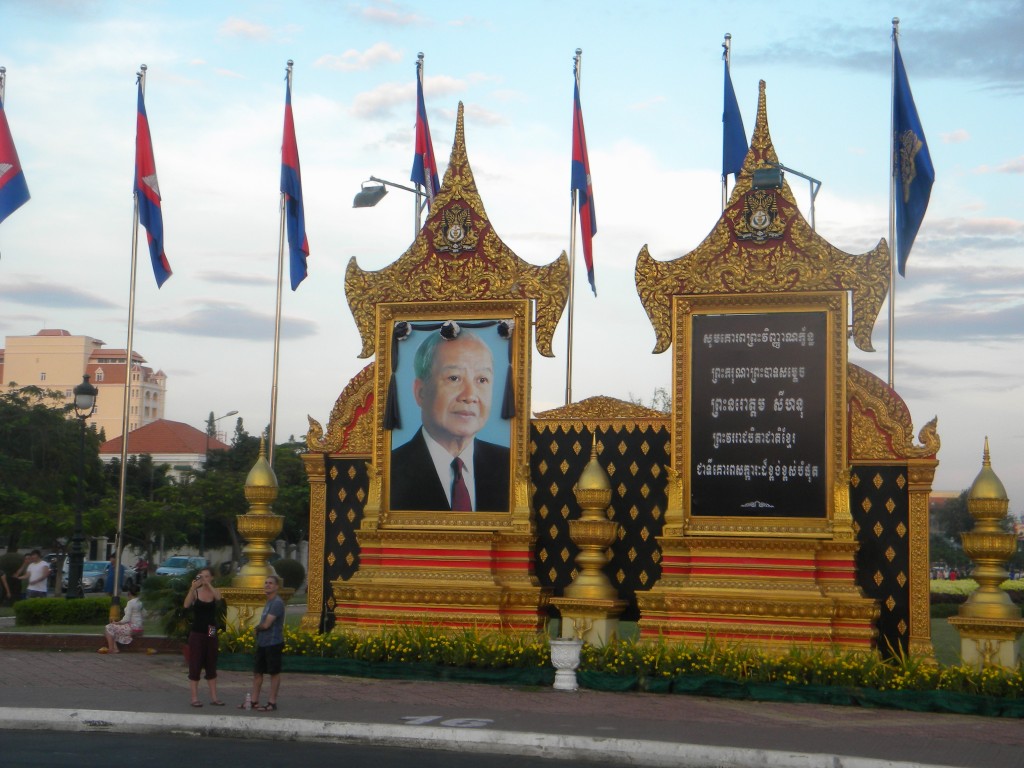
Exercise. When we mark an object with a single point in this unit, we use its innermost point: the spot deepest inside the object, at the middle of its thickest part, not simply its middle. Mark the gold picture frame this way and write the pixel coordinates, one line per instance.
(761, 422)
(504, 325)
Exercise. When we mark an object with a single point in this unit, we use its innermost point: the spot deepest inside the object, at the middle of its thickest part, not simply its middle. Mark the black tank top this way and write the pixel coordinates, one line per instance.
(204, 615)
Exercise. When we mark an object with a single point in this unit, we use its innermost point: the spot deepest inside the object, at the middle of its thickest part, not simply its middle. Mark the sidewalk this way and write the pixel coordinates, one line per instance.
(138, 693)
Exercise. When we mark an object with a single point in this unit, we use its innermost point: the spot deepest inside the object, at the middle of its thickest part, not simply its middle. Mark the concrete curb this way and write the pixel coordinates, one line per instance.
(635, 752)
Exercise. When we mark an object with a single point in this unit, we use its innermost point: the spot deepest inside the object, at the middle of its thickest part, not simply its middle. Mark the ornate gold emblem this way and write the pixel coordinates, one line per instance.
(909, 145)
(455, 235)
(760, 221)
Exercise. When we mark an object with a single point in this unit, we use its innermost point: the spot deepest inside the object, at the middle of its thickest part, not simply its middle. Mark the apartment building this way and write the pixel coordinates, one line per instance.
(56, 359)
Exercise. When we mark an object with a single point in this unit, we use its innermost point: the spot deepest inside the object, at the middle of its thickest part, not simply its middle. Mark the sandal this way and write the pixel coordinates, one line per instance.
(197, 703)
(270, 706)
(216, 703)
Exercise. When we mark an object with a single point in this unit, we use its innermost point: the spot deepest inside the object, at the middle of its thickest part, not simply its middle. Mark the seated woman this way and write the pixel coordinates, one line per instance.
(127, 628)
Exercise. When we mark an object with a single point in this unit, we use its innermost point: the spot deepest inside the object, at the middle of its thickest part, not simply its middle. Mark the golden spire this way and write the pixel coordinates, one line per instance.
(987, 484)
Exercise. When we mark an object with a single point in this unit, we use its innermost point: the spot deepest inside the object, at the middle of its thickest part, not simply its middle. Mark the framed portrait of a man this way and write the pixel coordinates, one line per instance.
(452, 404)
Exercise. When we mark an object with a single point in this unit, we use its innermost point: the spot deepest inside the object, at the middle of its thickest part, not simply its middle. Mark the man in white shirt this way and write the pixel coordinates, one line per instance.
(38, 572)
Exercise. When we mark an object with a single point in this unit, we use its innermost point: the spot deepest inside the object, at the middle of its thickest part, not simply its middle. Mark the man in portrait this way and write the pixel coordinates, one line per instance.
(445, 466)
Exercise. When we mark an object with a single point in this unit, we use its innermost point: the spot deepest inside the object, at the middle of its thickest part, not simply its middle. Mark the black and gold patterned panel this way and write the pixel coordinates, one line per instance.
(347, 483)
(635, 462)
(880, 507)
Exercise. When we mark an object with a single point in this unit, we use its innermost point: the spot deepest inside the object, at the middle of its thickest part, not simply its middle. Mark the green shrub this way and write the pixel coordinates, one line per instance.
(291, 572)
(58, 610)
(944, 610)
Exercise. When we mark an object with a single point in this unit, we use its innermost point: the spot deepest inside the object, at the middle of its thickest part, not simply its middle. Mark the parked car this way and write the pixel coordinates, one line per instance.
(179, 565)
(94, 575)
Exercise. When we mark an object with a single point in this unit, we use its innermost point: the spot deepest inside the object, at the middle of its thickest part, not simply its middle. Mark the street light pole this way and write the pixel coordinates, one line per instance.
(85, 406)
(206, 466)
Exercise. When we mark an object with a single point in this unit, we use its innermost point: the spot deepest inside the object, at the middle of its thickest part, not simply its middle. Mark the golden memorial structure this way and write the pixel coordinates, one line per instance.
(782, 502)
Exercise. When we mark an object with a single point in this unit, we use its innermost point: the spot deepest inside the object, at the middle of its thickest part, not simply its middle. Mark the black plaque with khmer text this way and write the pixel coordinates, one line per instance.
(758, 415)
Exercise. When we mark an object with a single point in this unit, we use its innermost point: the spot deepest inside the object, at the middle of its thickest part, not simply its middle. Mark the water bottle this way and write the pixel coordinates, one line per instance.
(248, 701)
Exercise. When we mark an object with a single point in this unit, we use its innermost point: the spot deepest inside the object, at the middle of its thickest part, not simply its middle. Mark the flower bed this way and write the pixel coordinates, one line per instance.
(710, 669)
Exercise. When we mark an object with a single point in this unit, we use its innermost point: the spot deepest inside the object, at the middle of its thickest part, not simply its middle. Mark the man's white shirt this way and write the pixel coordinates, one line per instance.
(442, 459)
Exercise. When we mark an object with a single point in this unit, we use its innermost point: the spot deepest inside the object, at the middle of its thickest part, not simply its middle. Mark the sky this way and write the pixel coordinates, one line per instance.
(651, 91)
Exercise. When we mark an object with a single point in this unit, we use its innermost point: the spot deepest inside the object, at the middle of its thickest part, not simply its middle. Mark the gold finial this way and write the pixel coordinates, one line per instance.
(262, 474)
(987, 484)
(593, 477)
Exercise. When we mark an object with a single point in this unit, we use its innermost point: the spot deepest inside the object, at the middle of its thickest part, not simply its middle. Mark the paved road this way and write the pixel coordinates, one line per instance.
(135, 693)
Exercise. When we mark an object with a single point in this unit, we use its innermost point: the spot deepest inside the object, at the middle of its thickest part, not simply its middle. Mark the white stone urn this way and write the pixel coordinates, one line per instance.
(565, 658)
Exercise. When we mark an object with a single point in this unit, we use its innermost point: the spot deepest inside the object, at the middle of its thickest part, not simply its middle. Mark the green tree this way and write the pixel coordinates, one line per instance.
(157, 510)
(40, 465)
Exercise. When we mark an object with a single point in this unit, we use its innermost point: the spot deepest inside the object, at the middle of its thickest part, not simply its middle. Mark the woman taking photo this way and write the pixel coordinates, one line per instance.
(202, 598)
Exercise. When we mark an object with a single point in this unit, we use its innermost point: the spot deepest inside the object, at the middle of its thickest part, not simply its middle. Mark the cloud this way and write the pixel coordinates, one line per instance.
(951, 322)
(226, 320)
(353, 60)
(234, 278)
(1011, 166)
(378, 103)
(40, 294)
(387, 13)
(945, 41)
(235, 27)
(959, 136)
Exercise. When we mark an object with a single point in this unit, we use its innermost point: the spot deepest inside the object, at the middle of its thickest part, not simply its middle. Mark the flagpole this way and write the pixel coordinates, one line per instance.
(727, 55)
(892, 203)
(115, 607)
(572, 263)
(3, 84)
(277, 312)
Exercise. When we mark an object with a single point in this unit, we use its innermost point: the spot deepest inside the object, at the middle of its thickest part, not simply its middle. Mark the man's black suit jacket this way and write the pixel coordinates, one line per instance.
(415, 484)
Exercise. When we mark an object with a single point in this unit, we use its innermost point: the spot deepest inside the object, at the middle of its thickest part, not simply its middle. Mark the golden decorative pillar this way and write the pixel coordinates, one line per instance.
(989, 623)
(259, 526)
(591, 606)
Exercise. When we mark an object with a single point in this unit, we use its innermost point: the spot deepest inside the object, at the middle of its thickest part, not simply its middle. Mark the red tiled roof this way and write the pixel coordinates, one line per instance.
(165, 436)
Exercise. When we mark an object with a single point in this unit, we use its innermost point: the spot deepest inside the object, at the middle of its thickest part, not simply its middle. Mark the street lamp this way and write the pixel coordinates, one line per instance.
(85, 406)
(372, 191)
(206, 466)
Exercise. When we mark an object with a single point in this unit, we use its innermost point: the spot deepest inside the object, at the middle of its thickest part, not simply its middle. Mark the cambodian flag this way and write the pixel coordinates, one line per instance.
(147, 194)
(424, 165)
(582, 186)
(13, 189)
(291, 188)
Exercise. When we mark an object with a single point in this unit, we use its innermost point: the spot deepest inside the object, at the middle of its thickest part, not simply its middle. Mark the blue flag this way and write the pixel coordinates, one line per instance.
(734, 138)
(913, 171)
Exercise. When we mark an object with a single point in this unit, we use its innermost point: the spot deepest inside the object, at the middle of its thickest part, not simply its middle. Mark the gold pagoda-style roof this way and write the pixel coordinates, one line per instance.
(457, 256)
(763, 244)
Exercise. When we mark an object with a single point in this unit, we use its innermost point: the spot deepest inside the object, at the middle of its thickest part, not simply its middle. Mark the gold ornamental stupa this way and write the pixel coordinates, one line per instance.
(259, 526)
(989, 622)
(590, 606)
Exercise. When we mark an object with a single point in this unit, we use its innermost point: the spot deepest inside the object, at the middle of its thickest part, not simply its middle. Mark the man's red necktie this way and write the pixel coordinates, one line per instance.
(460, 493)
